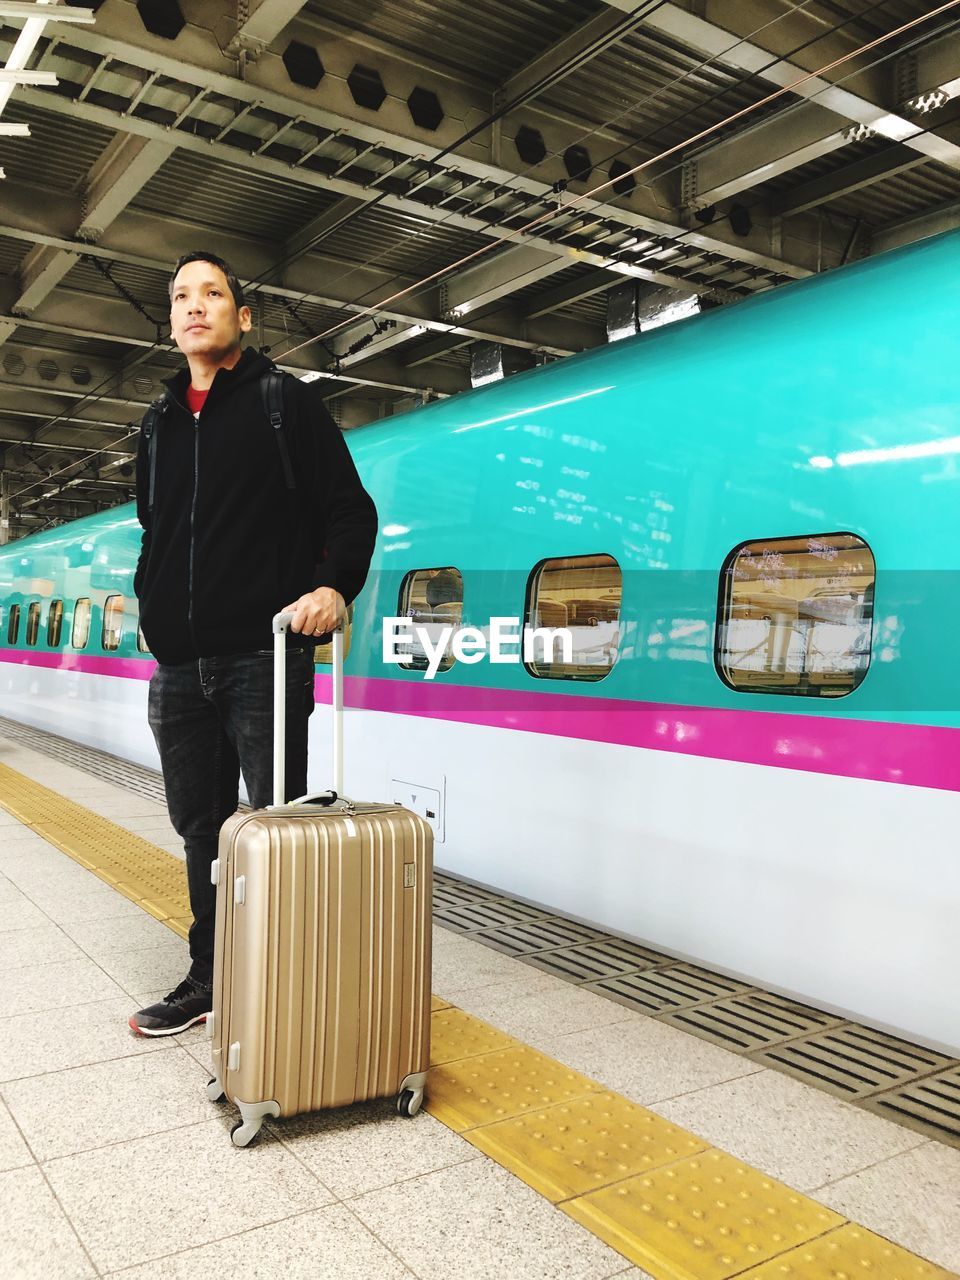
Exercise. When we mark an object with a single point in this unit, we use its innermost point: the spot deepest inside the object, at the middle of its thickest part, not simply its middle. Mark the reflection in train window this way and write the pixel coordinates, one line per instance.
(81, 624)
(433, 599)
(581, 594)
(796, 615)
(33, 622)
(112, 622)
(324, 652)
(54, 623)
(142, 641)
(13, 626)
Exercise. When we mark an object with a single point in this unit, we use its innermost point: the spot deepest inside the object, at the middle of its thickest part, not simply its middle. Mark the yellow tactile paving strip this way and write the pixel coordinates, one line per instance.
(662, 1197)
(152, 878)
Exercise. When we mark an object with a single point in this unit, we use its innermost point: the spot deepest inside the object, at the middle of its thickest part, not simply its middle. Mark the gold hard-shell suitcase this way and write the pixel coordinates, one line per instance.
(321, 982)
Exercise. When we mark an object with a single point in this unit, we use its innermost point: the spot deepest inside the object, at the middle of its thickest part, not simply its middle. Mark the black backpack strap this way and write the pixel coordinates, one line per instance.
(149, 425)
(271, 393)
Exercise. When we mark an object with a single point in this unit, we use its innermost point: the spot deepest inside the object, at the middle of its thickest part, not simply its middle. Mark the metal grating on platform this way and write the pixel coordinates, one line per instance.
(448, 892)
(907, 1084)
(473, 916)
(852, 1061)
(931, 1105)
(752, 1020)
(537, 935)
(672, 987)
(592, 961)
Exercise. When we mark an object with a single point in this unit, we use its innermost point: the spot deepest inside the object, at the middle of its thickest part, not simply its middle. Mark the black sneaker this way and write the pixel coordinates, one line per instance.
(187, 1004)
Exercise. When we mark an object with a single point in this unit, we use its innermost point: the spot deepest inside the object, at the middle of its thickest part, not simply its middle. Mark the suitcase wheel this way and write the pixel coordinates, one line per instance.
(244, 1132)
(409, 1102)
(215, 1090)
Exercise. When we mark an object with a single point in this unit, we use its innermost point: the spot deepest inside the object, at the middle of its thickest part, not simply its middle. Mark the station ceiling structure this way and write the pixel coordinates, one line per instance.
(416, 188)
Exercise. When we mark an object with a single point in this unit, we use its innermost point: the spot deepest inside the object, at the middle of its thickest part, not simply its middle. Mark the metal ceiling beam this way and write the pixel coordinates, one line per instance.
(64, 437)
(265, 23)
(313, 278)
(852, 177)
(35, 19)
(30, 403)
(204, 66)
(437, 346)
(119, 173)
(929, 223)
(570, 53)
(732, 50)
(924, 70)
(562, 295)
(323, 225)
(73, 313)
(588, 284)
(760, 152)
(45, 13)
(113, 381)
(587, 211)
(496, 276)
(380, 343)
(40, 272)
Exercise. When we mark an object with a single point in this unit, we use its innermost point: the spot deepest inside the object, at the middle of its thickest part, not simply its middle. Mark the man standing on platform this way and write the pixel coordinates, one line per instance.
(250, 505)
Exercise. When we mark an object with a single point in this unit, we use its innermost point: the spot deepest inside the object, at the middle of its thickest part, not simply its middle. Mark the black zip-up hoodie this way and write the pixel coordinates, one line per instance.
(227, 545)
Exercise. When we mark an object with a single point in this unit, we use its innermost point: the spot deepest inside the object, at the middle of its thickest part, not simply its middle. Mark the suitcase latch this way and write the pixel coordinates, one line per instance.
(409, 875)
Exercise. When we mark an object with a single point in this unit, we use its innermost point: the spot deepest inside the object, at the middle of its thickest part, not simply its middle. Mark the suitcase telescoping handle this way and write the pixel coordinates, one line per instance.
(281, 625)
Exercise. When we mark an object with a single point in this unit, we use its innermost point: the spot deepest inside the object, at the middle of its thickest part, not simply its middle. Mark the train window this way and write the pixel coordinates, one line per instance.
(142, 641)
(33, 622)
(433, 598)
(81, 624)
(581, 595)
(112, 622)
(13, 626)
(796, 615)
(324, 652)
(54, 623)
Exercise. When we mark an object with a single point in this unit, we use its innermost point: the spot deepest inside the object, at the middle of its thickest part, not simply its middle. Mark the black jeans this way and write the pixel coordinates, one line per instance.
(213, 719)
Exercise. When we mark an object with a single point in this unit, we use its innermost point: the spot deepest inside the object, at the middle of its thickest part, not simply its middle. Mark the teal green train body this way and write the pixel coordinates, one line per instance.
(665, 451)
(826, 407)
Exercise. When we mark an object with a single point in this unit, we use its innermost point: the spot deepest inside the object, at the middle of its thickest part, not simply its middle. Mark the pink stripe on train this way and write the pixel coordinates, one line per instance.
(126, 668)
(885, 751)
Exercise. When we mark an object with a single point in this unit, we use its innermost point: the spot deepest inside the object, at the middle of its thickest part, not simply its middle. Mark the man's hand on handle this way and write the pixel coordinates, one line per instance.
(317, 612)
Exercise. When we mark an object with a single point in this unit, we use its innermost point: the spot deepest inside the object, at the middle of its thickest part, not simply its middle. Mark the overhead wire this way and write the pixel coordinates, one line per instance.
(626, 24)
(659, 241)
(632, 145)
(695, 138)
(98, 392)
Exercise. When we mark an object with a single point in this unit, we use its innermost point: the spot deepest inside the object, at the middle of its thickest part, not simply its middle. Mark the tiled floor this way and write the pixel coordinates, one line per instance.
(112, 1161)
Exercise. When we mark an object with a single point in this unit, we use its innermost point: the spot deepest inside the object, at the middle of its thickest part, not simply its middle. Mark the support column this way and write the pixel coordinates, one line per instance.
(4, 508)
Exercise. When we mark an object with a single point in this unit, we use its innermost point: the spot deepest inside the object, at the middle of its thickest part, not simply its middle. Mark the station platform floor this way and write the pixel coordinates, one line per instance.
(566, 1136)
